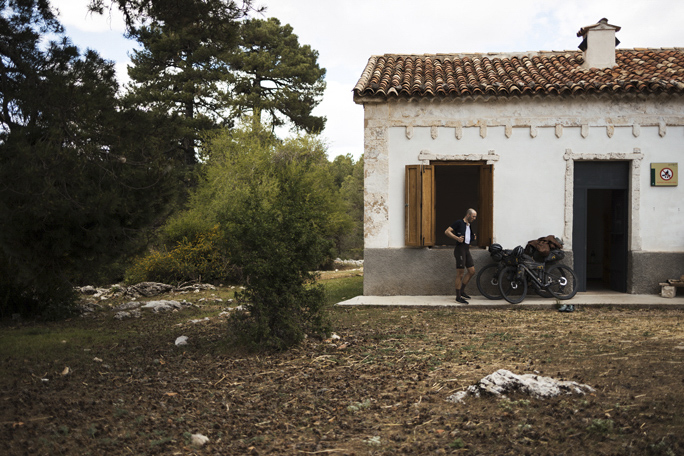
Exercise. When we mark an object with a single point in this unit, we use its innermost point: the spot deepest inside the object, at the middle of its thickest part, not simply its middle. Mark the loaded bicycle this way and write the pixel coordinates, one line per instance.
(559, 280)
(514, 272)
(487, 279)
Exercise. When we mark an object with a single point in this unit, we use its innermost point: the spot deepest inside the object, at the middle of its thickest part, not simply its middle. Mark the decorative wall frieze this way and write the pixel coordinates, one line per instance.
(585, 130)
(525, 122)
(534, 126)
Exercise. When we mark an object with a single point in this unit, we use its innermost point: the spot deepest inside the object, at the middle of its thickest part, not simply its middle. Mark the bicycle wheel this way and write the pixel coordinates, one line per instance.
(488, 281)
(513, 289)
(562, 282)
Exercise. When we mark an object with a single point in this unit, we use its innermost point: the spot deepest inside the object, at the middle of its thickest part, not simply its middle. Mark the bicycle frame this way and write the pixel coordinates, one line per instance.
(536, 280)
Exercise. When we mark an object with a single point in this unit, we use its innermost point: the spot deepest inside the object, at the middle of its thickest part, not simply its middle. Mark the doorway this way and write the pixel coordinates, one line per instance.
(600, 225)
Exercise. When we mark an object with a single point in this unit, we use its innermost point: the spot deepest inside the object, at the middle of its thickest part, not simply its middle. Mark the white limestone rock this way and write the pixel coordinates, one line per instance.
(198, 440)
(157, 306)
(181, 340)
(504, 382)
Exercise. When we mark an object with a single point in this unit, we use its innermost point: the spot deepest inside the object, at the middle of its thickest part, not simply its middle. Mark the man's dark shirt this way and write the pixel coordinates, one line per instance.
(459, 229)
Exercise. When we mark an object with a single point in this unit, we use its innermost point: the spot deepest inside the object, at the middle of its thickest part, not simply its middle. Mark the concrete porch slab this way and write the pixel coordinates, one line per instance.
(591, 299)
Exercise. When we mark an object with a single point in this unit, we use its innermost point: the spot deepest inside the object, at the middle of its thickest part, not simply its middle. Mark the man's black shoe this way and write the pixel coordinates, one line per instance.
(461, 300)
(465, 295)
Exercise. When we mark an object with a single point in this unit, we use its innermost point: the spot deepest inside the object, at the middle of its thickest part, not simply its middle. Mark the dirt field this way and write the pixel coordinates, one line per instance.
(380, 388)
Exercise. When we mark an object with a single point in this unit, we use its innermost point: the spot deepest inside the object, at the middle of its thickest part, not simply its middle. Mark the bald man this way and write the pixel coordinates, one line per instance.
(460, 231)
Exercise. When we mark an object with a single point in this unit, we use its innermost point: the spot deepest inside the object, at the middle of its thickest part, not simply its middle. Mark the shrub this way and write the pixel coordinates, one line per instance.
(281, 222)
(199, 259)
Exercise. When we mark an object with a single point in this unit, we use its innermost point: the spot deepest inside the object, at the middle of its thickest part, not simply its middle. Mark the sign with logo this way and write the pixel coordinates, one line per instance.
(663, 174)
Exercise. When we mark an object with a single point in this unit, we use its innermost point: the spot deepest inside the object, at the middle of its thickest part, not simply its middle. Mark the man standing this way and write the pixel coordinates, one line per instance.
(460, 231)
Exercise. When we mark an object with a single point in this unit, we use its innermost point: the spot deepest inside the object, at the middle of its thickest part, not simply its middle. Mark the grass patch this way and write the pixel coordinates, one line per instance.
(338, 290)
(48, 342)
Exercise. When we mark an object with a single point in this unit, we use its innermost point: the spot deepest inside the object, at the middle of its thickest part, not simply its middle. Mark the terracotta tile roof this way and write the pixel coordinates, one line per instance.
(638, 71)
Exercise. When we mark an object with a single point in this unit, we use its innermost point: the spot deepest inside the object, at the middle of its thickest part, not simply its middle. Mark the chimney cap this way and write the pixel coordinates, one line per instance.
(602, 24)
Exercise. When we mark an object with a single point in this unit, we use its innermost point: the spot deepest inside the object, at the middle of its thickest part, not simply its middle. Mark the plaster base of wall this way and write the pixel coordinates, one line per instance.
(648, 269)
(428, 272)
(415, 272)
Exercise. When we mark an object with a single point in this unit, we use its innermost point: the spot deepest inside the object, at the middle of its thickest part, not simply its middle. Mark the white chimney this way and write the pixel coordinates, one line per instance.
(599, 44)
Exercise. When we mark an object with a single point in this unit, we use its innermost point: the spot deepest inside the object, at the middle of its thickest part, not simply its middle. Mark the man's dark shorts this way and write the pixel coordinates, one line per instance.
(463, 257)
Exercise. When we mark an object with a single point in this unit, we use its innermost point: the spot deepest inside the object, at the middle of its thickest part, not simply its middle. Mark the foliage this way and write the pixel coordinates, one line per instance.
(181, 70)
(341, 167)
(277, 76)
(351, 191)
(282, 214)
(201, 65)
(137, 11)
(348, 178)
(199, 259)
(77, 182)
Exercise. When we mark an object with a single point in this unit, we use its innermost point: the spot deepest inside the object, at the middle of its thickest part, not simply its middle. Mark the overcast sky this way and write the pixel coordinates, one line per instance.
(346, 33)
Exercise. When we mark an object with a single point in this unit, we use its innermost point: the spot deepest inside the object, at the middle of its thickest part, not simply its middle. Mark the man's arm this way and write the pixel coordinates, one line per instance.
(450, 233)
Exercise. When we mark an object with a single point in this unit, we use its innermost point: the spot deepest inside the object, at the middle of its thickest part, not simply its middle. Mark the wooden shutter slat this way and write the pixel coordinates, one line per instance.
(428, 205)
(412, 206)
(485, 214)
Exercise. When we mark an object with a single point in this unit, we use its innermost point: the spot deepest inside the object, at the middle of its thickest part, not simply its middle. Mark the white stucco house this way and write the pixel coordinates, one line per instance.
(569, 143)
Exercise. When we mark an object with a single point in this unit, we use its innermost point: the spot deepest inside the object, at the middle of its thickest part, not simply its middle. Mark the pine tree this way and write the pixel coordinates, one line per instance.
(277, 76)
(181, 70)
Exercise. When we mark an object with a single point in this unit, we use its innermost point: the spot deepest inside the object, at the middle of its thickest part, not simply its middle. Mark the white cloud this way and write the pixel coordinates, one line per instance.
(74, 15)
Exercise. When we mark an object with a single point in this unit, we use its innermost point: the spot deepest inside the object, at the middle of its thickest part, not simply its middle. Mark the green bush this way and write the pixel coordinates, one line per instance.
(200, 259)
(282, 219)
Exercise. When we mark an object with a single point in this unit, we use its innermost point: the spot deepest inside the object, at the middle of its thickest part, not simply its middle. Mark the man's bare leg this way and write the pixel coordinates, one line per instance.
(464, 281)
(459, 283)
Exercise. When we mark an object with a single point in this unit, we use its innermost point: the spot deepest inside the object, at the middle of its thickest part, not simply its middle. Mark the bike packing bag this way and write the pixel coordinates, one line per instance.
(555, 255)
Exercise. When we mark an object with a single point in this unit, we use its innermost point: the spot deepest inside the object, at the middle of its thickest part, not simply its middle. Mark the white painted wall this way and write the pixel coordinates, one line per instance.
(662, 208)
(530, 173)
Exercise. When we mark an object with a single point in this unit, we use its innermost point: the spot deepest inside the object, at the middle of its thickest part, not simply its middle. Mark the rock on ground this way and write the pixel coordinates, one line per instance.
(181, 340)
(504, 382)
(148, 289)
(162, 305)
(198, 440)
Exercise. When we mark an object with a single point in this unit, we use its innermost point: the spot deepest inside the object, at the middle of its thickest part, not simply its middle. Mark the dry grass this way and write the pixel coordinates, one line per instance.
(379, 389)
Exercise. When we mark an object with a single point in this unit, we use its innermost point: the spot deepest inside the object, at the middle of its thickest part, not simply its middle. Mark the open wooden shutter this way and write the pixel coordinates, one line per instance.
(420, 206)
(428, 205)
(412, 206)
(485, 214)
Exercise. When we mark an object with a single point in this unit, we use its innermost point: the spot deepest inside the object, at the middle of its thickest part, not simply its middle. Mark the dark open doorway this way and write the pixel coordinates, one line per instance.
(606, 239)
(600, 228)
(458, 187)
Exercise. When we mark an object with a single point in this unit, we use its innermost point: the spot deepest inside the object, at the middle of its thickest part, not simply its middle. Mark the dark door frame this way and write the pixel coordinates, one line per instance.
(610, 175)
